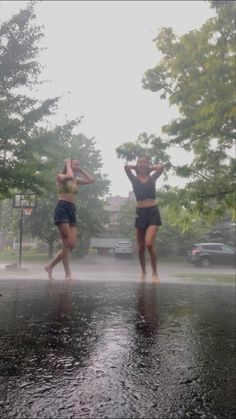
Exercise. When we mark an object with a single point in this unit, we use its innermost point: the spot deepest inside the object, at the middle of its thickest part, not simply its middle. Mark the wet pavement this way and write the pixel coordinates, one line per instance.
(105, 268)
(116, 349)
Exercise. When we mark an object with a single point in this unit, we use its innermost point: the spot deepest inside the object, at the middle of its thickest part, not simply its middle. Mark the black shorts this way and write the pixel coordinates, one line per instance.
(146, 217)
(64, 213)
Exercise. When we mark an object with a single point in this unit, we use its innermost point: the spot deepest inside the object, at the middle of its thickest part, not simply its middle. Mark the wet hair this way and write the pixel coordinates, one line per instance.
(142, 156)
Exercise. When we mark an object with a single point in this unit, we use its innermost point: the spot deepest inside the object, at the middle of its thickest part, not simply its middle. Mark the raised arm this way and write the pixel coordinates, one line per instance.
(69, 175)
(157, 171)
(86, 179)
(128, 170)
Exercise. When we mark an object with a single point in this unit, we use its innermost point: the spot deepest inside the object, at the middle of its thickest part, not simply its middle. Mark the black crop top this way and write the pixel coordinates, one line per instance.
(143, 190)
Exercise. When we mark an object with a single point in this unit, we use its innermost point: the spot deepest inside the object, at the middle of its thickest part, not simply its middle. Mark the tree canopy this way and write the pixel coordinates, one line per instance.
(20, 159)
(197, 74)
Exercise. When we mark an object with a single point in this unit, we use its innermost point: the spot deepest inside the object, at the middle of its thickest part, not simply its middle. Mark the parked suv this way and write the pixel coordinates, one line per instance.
(123, 247)
(206, 254)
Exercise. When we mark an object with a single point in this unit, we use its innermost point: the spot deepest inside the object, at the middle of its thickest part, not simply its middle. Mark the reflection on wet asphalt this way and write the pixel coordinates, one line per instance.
(116, 350)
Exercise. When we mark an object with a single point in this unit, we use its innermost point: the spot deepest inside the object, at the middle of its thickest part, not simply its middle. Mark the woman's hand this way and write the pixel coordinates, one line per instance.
(69, 171)
(158, 169)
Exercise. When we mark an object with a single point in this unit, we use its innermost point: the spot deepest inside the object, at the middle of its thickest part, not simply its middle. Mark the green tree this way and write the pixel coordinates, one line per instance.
(40, 223)
(20, 149)
(222, 231)
(197, 74)
(181, 224)
(10, 216)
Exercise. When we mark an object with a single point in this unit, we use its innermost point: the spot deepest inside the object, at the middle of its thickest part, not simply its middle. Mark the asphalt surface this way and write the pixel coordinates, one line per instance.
(114, 348)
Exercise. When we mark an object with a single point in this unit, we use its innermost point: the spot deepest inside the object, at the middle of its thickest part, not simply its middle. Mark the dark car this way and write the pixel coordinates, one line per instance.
(206, 254)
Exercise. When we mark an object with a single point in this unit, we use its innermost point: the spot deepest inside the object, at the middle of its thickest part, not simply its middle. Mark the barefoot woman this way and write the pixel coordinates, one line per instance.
(64, 214)
(147, 218)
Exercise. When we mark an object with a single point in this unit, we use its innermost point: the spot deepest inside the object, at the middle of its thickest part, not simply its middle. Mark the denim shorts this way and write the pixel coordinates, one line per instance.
(64, 213)
(146, 217)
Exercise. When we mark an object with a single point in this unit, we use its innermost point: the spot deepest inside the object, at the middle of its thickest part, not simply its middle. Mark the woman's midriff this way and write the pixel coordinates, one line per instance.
(146, 203)
(67, 197)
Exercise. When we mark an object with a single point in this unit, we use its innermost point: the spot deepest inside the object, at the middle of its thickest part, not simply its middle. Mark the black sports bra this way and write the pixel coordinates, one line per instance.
(144, 190)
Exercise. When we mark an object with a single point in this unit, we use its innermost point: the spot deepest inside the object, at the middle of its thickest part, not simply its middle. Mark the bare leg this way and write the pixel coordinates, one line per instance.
(141, 252)
(48, 268)
(65, 259)
(149, 240)
(68, 235)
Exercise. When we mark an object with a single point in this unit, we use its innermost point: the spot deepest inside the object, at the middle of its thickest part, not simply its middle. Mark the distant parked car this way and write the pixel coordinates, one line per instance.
(206, 254)
(123, 247)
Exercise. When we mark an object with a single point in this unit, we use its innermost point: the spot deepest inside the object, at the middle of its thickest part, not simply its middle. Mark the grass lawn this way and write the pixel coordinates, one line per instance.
(28, 256)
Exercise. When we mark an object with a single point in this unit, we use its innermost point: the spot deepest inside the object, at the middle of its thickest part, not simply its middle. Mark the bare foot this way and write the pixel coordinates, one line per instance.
(69, 277)
(49, 271)
(143, 276)
(155, 278)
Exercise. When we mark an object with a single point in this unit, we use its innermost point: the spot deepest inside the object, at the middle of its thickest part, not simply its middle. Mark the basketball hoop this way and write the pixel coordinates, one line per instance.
(27, 211)
(28, 200)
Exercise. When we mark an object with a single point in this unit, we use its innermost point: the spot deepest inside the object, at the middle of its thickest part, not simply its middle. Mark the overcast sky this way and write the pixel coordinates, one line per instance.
(97, 53)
